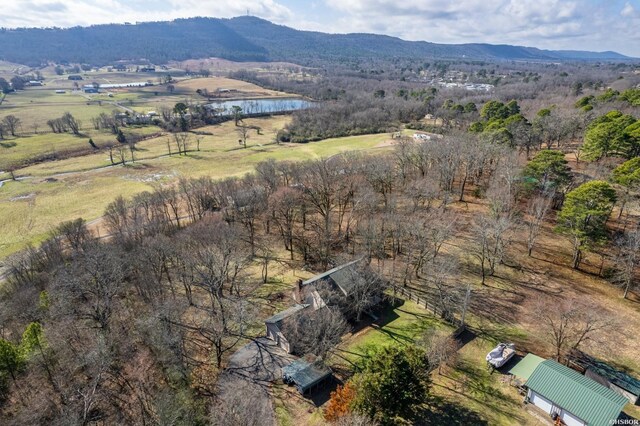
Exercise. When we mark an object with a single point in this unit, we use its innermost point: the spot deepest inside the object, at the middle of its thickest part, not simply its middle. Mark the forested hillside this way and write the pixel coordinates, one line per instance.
(243, 39)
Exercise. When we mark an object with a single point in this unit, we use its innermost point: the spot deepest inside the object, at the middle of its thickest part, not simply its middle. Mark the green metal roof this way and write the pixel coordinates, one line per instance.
(579, 395)
(526, 366)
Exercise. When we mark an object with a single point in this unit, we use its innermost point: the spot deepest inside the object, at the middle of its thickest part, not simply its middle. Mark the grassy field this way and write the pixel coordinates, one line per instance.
(62, 190)
(31, 114)
(34, 106)
(54, 191)
(21, 149)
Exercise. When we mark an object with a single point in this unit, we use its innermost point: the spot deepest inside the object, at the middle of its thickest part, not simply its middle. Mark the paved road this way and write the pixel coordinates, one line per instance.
(252, 369)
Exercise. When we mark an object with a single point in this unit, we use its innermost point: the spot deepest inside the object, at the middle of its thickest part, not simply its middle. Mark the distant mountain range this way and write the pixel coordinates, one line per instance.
(244, 39)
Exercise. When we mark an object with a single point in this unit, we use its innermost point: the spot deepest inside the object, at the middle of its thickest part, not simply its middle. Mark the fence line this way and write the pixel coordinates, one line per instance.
(422, 301)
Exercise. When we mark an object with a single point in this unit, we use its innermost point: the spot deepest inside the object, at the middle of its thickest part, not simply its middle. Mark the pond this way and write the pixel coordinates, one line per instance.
(261, 106)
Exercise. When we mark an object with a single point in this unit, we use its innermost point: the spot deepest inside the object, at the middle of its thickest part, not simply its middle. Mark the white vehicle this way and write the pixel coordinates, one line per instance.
(501, 354)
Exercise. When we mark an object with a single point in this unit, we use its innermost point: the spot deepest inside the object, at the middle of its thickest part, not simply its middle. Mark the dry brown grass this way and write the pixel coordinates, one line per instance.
(240, 89)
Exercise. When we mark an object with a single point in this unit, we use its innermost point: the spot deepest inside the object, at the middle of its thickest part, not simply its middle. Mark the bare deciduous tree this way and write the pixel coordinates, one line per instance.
(285, 205)
(240, 405)
(441, 348)
(11, 123)
(537, 209)
(243, 132)
(315, 332)
(569, 324)
(627, 261)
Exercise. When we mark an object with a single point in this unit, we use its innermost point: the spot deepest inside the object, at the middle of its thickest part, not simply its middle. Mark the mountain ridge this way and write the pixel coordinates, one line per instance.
(246, 38)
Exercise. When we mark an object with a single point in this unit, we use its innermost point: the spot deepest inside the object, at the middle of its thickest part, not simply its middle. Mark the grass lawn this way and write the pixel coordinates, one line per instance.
(471, 388)
(36, 105)
(398, 325)
(212, 84)
(57, 191)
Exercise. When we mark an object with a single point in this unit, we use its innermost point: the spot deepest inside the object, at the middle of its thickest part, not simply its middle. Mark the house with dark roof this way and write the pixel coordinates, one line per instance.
(275, 325)
(340, 278)
(576, 400)
(340, 286)
(333, 287)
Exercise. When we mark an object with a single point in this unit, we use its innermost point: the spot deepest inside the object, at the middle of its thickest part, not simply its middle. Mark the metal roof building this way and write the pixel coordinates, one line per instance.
(305, 375)
(525, 367)
(575, 399)
(608, 376)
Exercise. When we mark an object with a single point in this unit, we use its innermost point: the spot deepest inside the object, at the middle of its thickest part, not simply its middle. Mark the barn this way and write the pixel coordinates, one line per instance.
(575, 399)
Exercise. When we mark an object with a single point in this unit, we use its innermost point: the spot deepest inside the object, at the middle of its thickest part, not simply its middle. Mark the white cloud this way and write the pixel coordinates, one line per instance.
(629, 11)
(66, 13)
(553, 24)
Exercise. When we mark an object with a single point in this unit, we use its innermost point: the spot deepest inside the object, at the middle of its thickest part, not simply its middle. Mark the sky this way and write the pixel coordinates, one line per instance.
(595, 25)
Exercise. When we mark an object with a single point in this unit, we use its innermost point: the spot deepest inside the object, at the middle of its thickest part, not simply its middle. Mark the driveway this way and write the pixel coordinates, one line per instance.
(252, 369)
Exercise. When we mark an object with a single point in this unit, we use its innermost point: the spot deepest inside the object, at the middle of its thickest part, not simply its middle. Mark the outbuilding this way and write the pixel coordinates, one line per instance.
(608, 376)
(575, 399)
(306, 376)
(524, 368)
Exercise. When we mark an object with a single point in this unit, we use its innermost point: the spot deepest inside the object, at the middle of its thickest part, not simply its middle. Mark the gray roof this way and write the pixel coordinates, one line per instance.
(305, 374)
(617, 377)
(342, 276)
(277, 318)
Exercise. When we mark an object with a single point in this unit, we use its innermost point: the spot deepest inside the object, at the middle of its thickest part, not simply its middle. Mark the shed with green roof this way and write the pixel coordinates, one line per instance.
(575, 399)
(526, 366)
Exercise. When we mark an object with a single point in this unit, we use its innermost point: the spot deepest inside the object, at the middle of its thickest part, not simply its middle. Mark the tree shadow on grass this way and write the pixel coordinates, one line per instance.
(395, 336)
(475, 385)
(443, 412)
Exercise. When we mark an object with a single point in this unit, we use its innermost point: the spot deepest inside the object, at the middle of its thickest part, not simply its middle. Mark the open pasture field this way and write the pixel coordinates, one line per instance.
(9, 69)
(56, 191)
(34, 106)
(32, 113)
(236, 88)
(58, 145)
